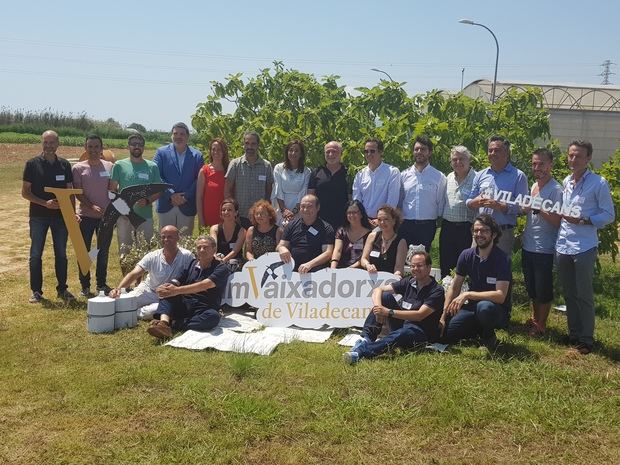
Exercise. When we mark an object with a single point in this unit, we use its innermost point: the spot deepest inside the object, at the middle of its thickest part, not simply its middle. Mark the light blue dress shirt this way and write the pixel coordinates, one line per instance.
(488, 182)
(592, 194)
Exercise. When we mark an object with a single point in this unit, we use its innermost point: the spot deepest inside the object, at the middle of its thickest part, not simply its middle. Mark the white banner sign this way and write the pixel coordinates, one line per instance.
(339, 298)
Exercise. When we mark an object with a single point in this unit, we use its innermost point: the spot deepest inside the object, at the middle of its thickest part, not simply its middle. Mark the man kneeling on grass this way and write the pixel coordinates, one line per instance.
(193, 301)
(412, 319)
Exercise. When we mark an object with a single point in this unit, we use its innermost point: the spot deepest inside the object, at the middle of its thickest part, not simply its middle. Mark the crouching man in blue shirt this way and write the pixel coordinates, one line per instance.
(486, 305)
(412, 319)
(194, 302)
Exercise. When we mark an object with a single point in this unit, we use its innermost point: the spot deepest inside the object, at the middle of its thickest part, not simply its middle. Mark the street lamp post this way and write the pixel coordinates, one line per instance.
(472, 23)
(376, 70)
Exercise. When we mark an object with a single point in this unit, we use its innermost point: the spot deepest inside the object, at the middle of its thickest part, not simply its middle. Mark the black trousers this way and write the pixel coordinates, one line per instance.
(453, 239)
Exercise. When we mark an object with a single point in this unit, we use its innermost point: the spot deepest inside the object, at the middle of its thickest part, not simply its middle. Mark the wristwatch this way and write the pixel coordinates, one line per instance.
(391, 312)
(583, 221)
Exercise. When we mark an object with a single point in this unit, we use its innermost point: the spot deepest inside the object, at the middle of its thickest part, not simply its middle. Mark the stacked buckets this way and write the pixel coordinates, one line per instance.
(106, 314)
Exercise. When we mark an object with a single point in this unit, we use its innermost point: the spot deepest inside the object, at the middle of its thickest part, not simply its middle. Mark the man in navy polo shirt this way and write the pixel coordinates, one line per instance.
(486, 305)
(413, 318)
(193, 301)
(47, 170)
(308, 239)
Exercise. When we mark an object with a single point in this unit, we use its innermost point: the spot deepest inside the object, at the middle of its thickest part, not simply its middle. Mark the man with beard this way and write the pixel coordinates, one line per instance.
(47, 170)
(92, 176)
(133, 171)
(424, 188)
(249, 178)
(539, 236)
(485, 306)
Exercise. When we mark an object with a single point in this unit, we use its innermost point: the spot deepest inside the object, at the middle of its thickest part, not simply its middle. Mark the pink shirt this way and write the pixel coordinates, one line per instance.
(94, 181)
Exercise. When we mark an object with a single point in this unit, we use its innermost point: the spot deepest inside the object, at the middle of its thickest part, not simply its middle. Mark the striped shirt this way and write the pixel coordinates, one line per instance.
(455, 208)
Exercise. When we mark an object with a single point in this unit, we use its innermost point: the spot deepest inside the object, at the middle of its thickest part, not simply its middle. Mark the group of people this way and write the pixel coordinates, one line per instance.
(315, 219)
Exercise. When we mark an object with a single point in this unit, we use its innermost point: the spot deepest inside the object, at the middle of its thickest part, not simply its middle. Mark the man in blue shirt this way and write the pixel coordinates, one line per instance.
(494, 187)
(192, 302)
(587, 194)
(413, 319)
(179, 165)
(478, 311)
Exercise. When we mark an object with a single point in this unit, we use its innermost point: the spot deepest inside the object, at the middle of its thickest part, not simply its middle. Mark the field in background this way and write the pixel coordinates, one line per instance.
(70, 397)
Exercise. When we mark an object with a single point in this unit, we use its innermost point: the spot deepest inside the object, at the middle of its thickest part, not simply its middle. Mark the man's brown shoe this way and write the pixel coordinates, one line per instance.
(159, 329)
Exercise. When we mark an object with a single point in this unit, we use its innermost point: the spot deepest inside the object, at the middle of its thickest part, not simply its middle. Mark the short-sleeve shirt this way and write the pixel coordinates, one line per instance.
(41, 174)
(306, 242)
(432, 295)
(455, 208)
(93, 180)
(489, 182)
(217, 272)
(159, 270)
(127, 173)
(351, 251)
(484, 274)
(539, 236)
(333, 193)
(250, 181)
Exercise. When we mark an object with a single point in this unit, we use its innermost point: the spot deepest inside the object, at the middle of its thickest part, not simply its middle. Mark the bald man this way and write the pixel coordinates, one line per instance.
(162, 265)
(47, 170)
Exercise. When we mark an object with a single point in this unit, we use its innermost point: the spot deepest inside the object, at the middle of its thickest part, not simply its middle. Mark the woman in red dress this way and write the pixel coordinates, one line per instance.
(210, 184)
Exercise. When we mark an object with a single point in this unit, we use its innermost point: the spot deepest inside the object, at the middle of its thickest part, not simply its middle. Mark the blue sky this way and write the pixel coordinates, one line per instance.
(151, 62)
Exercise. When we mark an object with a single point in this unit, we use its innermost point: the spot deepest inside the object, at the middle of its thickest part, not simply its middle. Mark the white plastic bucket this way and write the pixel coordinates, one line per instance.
(126, 315)
(100, 313)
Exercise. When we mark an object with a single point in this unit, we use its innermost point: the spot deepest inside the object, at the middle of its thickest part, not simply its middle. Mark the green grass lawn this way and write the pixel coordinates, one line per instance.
(70, 397)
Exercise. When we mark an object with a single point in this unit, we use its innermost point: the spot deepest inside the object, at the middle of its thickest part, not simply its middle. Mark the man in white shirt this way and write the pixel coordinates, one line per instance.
(162, 265)
(424, 196)
(378, 183)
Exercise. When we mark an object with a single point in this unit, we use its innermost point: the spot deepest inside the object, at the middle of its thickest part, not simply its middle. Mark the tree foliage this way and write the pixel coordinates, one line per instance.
(608, 236)
(283, 104)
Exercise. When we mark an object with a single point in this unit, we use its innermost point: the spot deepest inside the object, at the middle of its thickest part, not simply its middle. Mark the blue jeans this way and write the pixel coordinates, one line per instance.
(476, 320)
(38, 234)
(89, 227)
(403, 334)
(186, 315)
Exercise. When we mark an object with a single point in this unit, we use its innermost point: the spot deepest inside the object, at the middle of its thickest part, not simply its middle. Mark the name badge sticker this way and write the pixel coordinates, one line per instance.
(60, 177)
(143, 175)
(262, 177)
(104, 174)
(491, 280)
(406, 305)
(375, 253)
(312, 231)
